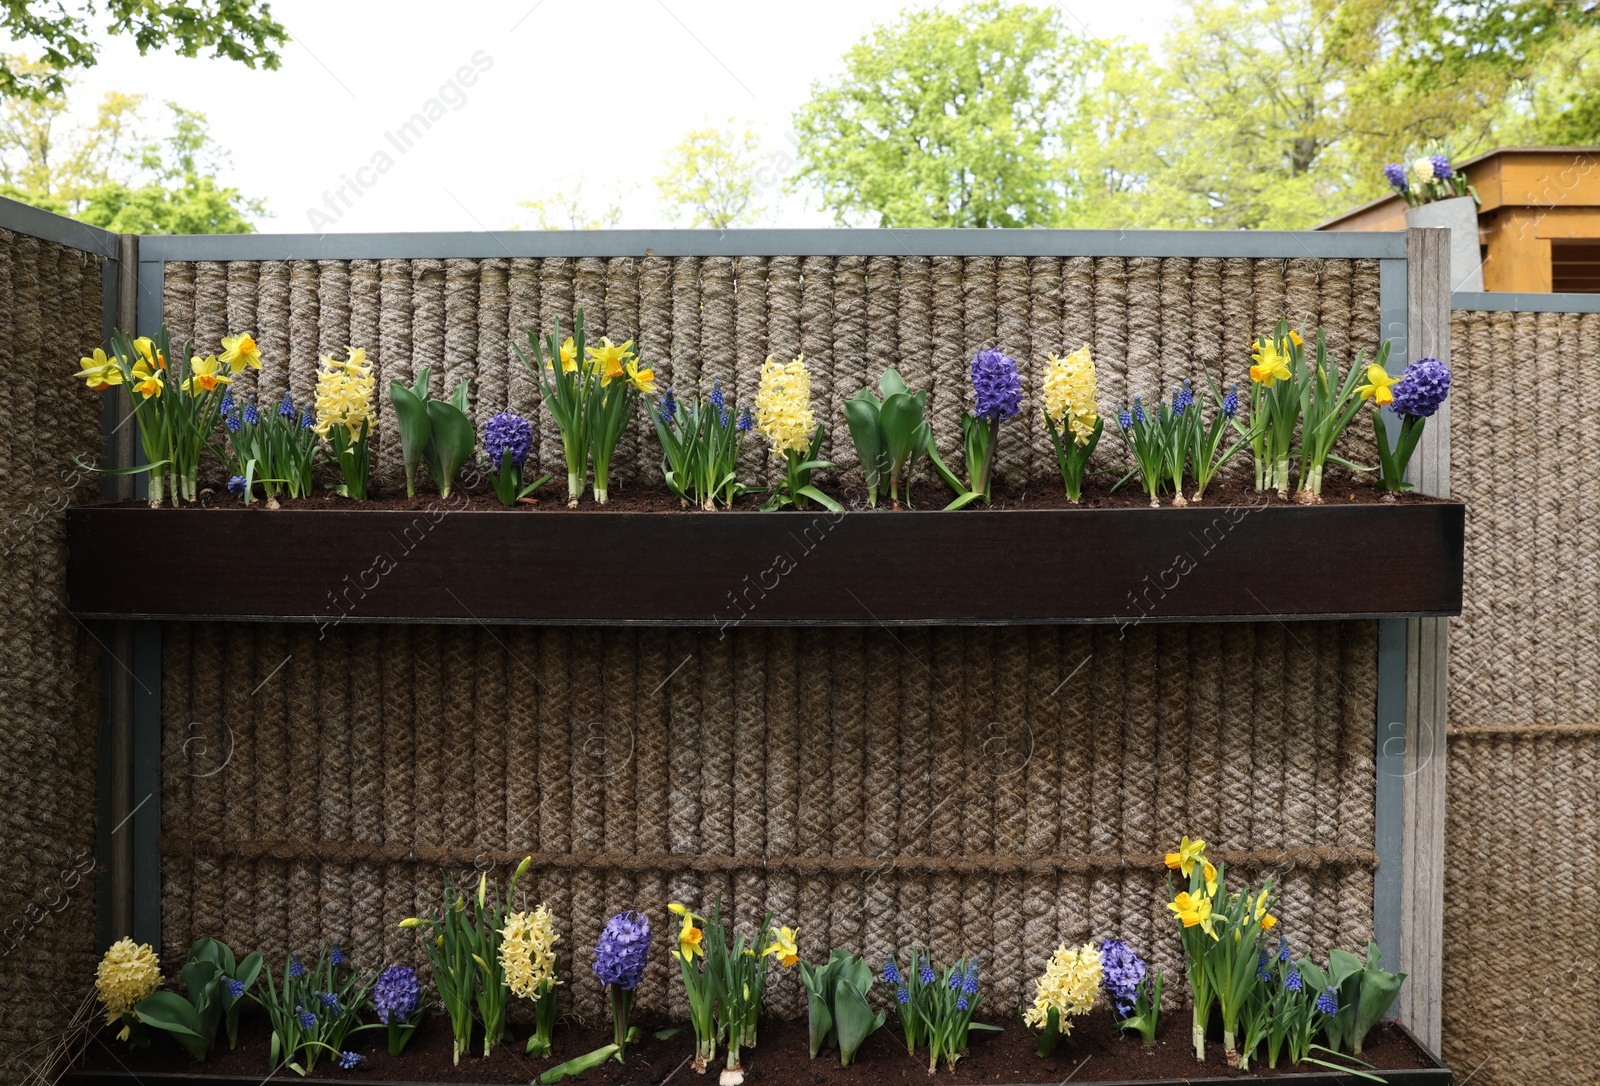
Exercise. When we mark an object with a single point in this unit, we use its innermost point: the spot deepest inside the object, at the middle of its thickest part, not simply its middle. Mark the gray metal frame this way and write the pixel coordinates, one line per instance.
(1494, 301)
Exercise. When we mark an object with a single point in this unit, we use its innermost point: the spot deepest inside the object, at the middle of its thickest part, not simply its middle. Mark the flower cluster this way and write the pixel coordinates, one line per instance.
(1069, 393)
(344, 394)
(396, 995)
(1123, 971)
(527, 952)
(128, 973)
(507, 433)
(619, 958)
(1069, 986)
(783, 406)
(1435, 179)
(996, 386)
(1421, 389)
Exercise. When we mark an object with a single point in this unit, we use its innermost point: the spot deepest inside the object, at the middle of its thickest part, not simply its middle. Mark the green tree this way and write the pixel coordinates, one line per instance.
(949, 119)
(568, 207)
(113, 172)
(68, 34)
(712, 178)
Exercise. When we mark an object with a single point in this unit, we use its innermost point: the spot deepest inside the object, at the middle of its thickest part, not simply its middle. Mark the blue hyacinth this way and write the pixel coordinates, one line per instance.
(1441, 167)
(891, 974)
(286, 408)
(348, 1060)
(1328, 1002)
(1395, 174)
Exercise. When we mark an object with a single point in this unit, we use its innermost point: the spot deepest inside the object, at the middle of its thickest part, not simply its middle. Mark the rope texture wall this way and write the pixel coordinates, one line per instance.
(989, 790)
(1151, 322)
(1524, 700)
(49, 685)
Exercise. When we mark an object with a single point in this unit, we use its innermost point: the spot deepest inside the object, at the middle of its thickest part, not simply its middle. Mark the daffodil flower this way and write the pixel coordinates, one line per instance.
(99, 372)
(1378, 387)
(569, 357)
(690, 939)
(205, 374)
(241, 351)
(607, 359)
(643, 379)
(1294, 337)
(147, 382)
(1267, 920)
(1193, 910)
(1188, 852)
(1211, 878)
(1271, 366)
(784, 946)
(146, 349)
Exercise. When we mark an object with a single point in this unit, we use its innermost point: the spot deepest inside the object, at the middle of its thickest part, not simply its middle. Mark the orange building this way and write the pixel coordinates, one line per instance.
(1538, 223)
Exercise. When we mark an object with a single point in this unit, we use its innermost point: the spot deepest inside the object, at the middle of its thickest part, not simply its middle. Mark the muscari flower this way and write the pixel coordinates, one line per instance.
(349, 1060)
(668, 405)
(970, 984)
(236, 483)
(891, 974)
(619, 958)
(1183, 399)
(1292, 980)
(126, 974)
(286, 408)
(527, 952)
(1124, 419)
(297, 968)
(717, 399)
(1328, 1002)
(925, 972)
(226, 404)
(902, 995)
(307, 1019)
(507, 433)
(307, 420)
(996, 386)
(235, 988)
(747, 421)
(1122, 972)
(1230, 402)
(337, 954)
(961, 1003)
(234, 422)
(1283, 950)
(241, 351)
(1421, 388)
(1069, 393)
(396, 994)
(1262, 972)
(783, 406)
(1395, 174)
(1138, 410)
(1070, 985)
(250, 415)
(330, 1002)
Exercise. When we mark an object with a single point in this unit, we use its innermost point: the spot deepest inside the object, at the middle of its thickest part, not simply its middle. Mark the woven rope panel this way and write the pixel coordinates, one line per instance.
(1152, 322)
(49, 683)
(1522, 986)
(994, 791)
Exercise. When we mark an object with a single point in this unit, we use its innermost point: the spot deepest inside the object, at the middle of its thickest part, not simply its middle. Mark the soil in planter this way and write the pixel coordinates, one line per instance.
(1099, 1055)
(653, 497)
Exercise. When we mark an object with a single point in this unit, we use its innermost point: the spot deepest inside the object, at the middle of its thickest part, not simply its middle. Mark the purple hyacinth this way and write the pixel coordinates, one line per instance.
(505, 433)
(286, 408)
(668, 406)
(1328, 1002)
(235, 988)
(624, 945)
(1121, 971)
(891, 972)
(348, 1060)
(747, 421)
(396, 994)
(997, 385)
(1293, 982)
(1230, 402)
(1441, 167)
(297, 968)
(250, 416)
(1421, 388)
(1395, 174)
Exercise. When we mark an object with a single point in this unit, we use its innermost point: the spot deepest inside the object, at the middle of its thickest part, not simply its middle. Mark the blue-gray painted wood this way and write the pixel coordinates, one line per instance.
(1390, 759)
(48, 226)
(145, 822)
(843, 242)
(1496, 301)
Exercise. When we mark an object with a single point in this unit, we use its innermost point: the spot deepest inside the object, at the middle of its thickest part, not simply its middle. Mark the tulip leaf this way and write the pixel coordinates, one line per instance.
(452, 444)
(171, 1013)
(821, 499)
(861, 415)
(411, 413)
(577, 1066)
(856, 1020)
(891, 382)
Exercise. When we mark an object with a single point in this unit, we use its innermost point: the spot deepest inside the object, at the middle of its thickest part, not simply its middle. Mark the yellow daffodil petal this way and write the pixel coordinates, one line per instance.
(241, 351)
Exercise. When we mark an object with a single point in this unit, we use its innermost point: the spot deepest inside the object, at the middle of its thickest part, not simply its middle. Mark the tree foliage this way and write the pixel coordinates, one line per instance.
(66, 35)
(713, 178)
(567, 206)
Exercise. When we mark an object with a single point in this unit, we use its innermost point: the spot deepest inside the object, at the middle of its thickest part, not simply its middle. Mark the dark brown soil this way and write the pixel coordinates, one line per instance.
(1099, 1055)
(1044, 494)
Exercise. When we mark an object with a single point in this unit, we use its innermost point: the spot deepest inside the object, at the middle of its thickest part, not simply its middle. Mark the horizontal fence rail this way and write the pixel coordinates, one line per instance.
(1496, 301)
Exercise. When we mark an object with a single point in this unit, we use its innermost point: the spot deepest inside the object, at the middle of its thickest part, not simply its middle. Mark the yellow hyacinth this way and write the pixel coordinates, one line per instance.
(128, 973)
(241, 351)
(1070, 985)
(344, 393)
(1069, 393)
(527, 952)
(783, 406)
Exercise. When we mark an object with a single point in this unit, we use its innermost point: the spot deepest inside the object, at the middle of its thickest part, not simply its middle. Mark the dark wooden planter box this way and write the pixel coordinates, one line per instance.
(1116, 566)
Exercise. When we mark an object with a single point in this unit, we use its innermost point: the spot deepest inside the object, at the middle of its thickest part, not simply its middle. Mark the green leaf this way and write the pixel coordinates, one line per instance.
(900, 416)
(891, 382)
(578, 1066)
(855, 1018)
(453, 441)
(171, 1013)
(411, 414)
(821, 499)
(861, 415)
(820, 1021)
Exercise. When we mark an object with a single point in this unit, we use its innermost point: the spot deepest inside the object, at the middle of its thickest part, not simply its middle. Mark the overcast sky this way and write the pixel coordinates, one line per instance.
(524, 96)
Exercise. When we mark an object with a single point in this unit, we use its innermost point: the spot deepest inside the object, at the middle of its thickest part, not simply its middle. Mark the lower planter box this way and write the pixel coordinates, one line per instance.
(1007, 1058)
(1122, 566)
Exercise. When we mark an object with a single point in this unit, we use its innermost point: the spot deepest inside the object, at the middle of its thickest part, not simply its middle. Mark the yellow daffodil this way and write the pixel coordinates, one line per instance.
(1193, 910)
(643, 379)
(241, 351)
(1294, 337)
(100, 372)
(569, 357)
(607, 359)
(205, 374)
(784, 946)
(147, 382)
(1268, 921)
(1271, 366)
(1211, 878)
(1378, 385)
(145, 348)
(690, 939)
(677, 910)
(1188, 852)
